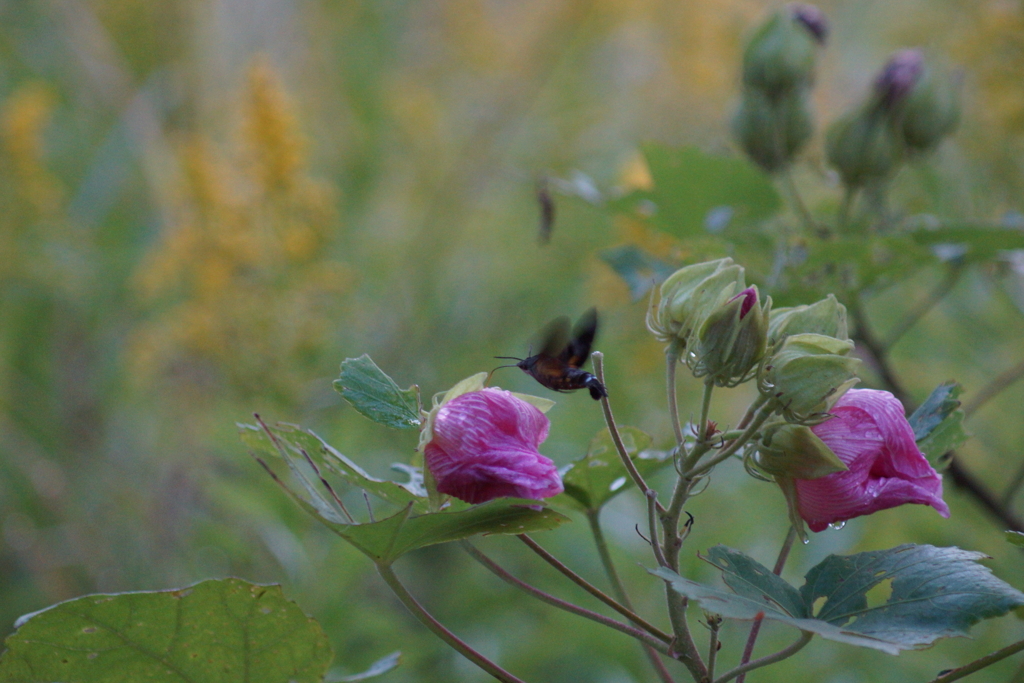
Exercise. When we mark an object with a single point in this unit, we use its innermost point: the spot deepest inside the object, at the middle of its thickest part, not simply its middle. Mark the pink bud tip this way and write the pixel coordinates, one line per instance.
(749, 299)
(899, 75)
(484, 446)
(871, 435)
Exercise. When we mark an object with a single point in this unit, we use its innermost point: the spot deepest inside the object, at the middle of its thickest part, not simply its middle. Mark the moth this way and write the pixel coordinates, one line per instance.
(558, 365)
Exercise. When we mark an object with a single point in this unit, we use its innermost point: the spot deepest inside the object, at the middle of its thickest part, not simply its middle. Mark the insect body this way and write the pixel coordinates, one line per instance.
(558, 365)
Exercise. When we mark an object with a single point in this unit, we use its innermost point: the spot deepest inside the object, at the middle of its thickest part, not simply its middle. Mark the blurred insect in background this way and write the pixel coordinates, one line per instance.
(558, 364)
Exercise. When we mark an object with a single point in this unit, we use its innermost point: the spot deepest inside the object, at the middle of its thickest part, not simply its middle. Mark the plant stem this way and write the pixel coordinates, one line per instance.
(798, 203)
(705, 410)
(671, 362)
(997, 385)
(979, 664)
(755, 628)
(843, 219)
(909, 319)
(439, 630)
(614, 431)
(805, 637)
(714, 624)
(594, 590)
(765, 412)
(498, 571)
(593, 517)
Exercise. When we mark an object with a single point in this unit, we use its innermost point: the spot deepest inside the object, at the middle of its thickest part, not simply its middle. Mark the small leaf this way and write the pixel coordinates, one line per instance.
(217, 630)
(938, 424)
(750, 578)
(378, 668)
(298, 440)
(688, 184)
(1016, 538)
(600, 475)
(376, 395)
(641, 271)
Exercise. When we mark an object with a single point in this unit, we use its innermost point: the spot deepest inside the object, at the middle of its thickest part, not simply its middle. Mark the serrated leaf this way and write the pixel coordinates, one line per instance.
(378, 668)
(938, 424)
(1016, 538)
(376, 395)
(298, 440)
(218, 630)
(600, 475)
(640, 271)
(689, 183)
(935, 593)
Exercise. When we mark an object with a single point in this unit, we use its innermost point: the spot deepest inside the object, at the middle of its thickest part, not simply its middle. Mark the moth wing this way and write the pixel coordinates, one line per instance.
(576, 353)
(554, 338)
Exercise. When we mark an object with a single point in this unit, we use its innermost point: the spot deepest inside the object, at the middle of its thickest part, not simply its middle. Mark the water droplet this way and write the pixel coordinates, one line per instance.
(617, 484)
(805, 541)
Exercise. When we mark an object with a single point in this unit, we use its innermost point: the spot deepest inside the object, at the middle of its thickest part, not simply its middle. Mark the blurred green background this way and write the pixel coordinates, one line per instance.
(205, 205)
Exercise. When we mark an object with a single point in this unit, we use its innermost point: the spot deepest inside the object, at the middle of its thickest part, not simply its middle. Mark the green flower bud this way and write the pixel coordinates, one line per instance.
(827, 317)
(689, 295)
(732, 341)
(772, 132)
(931, 110)
(807, 374)
(780, 57)
(795, 451)
(863, 146)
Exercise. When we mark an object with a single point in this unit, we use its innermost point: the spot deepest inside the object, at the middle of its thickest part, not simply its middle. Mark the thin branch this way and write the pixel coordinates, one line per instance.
(613, 429)
(671, 363)
(979, 664)
(714, 625)
(993, 388)
(805, 637)
(843, 220)
(593, 590)
(798, 203)
(755, 628)
(498, 571)
(911, 317)
(439, 630)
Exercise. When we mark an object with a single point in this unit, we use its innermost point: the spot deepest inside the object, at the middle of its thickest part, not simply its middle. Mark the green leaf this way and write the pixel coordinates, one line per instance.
(641, 271)
(378, 668)
(1016, 538)
(689, 183)
(600, 475)
(297, 440)
(982, 242)
(220, 630)
(934, 593)
(376, 395)
(938, 424)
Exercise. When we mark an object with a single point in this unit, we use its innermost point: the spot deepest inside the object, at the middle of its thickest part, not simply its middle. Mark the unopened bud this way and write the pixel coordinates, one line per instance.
(863, 146)
(827, 317)
(771, 132)
(898, 77)
(812, 18)
(732, 341)
(795, 451)
(780, 57)
(689, 295)
(931, 110)
(807, 374)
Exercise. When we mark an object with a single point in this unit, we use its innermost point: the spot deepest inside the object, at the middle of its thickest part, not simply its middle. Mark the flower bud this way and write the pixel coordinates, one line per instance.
(795, 451)
(807, 374)
(931, 110)
(812, 18)
(827, 317)
(689, 295)
(772, 132)
(898, 77)
(732, 340)
(780, 57)
(863, 146)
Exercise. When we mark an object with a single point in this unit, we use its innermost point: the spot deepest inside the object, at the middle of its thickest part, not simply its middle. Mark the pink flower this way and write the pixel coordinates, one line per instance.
(871, 435)
(484, 446)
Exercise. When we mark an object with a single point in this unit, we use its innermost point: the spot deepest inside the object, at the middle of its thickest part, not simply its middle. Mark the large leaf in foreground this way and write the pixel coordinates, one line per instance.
(220, 630)
(600, 475)
(376, 395)
(935, 593)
